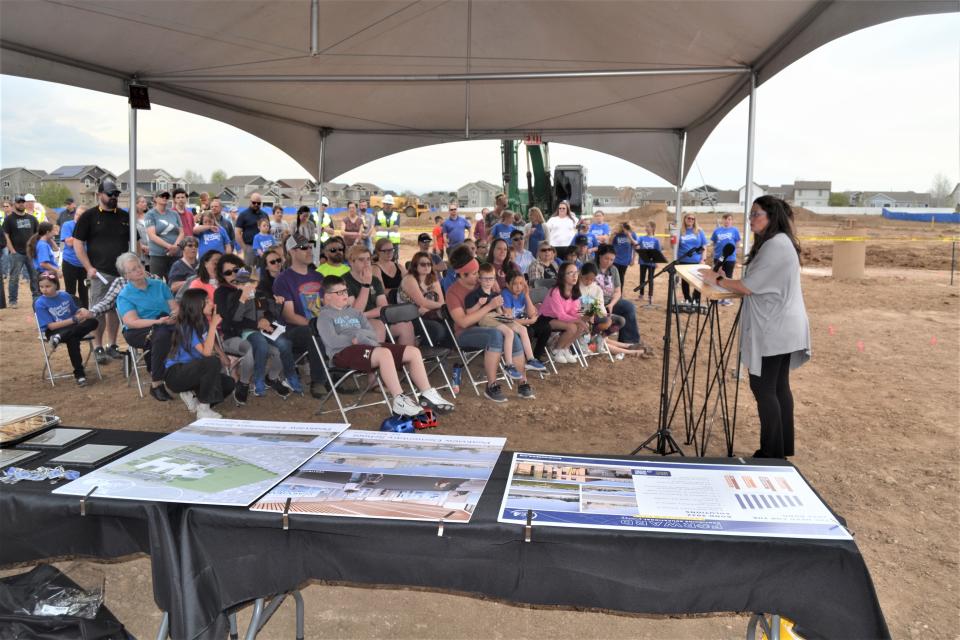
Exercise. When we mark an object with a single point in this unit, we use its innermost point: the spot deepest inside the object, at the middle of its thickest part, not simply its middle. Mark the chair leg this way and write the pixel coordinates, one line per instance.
(298, 598)
(46, 372)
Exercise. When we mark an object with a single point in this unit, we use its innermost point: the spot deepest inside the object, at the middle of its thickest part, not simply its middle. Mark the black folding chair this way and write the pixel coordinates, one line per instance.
(433, 357)
(468, 356)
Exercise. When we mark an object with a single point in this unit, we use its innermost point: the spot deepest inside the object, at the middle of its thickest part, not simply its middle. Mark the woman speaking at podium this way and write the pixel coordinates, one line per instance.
(775, 332)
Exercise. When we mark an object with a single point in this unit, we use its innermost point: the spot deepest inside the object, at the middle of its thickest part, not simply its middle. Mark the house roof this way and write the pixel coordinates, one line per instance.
(604, 191)
(366, 186)
(657, 194)
(70, 171)
(812, 184)
(898, 196)
(295, 183)
(245, 179)
(145, 175)
(9, 170)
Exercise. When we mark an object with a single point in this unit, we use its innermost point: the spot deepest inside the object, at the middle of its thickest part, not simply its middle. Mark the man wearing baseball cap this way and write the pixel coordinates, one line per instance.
(18, 227)
(69, 213)
(103, 233)
(388, 225)
(423, 244)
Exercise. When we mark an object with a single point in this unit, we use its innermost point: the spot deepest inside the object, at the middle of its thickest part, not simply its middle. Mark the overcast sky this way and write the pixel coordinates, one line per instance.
(877, 109)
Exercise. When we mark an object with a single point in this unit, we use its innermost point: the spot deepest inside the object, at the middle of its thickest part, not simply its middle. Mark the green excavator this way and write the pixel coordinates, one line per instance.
(569, 180)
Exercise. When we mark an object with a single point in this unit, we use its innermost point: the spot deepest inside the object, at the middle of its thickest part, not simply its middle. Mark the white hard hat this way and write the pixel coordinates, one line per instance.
(479, 216)
(325, 201)
(388, 199)
(29, 198)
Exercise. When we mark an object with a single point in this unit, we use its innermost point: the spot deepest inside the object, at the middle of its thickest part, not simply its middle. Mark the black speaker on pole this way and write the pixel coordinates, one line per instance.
(139, 97)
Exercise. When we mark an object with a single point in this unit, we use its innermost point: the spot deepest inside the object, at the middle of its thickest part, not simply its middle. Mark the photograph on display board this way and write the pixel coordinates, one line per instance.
(217, 462)
(375, 474)
(716, 499)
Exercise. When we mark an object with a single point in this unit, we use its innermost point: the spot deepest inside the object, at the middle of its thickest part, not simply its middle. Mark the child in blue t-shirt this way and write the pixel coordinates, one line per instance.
(263, 240)
(60, 321)
(623, 241)
(40, 249)
(517, 304)
(722, 237)
(649, 242)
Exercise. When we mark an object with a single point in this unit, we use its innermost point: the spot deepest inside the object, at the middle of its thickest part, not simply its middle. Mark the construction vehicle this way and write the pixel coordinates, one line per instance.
(409, 206)
(569, 181)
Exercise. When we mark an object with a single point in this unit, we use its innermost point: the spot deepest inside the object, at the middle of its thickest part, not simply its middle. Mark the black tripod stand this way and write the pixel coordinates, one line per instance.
(665, 443)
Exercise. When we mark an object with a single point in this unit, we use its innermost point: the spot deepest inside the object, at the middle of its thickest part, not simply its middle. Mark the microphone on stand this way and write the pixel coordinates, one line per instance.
(727, 252)
(690, 253)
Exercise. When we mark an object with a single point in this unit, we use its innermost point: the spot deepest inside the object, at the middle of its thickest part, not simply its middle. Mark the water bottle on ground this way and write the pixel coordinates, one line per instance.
(457, 377)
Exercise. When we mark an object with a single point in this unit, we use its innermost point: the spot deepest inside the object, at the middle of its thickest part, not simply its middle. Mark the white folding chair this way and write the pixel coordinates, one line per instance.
(47, 371)
(133, 361)
(433, 357)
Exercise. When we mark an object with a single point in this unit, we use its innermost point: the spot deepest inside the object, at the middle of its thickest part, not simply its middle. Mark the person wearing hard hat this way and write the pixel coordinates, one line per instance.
(388, 225)
(34, 208)
(325, 219)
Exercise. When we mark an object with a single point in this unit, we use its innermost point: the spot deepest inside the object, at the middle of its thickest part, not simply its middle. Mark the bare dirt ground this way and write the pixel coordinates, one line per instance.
(877, 436)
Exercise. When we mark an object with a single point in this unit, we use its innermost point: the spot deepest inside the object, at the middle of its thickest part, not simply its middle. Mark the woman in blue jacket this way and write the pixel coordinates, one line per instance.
(691, 239)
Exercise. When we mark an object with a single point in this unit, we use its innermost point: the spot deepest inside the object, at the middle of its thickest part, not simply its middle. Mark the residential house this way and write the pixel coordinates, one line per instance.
(336, 192)
(17, 181)
(81, 181)
(478, 194)
(438, 199)
(362, 191)
(298, 191)
(151, 181)
(953, 200)
(894, 199)
(605, 196)
(811, 193)
(228, 197)
(245, 185)
(653, 195)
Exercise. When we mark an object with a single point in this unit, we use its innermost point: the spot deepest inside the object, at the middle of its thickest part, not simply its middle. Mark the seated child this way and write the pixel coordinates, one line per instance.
(352, 343)
(517, 305)
(479, 297)
(603, 324)
(59, 318)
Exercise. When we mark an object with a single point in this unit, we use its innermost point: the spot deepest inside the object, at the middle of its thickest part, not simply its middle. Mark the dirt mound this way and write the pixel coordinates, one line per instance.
(897, 255)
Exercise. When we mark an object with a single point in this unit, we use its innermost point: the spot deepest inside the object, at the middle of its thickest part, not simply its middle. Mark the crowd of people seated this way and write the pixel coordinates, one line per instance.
(222, 306)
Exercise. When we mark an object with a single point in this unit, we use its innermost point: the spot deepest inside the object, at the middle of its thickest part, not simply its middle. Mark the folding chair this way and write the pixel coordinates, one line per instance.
(466, 357)
(543, 283)
(337, 376)
(47, 371)
(395, 313)
(133, 361)
(537, 296)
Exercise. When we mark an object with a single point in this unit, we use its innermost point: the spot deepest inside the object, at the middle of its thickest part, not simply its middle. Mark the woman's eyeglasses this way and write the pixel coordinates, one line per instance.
(229, 272)
(274, 261)
(425, 264)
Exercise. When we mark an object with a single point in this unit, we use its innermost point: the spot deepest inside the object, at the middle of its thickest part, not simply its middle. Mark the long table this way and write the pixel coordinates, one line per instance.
(207, 560)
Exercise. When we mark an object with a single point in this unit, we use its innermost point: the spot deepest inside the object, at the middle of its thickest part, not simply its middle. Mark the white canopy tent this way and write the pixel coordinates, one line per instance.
(338, 83)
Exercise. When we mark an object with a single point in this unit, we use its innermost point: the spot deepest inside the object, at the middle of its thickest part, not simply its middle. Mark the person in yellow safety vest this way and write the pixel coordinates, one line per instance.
(326, 221)
(35, 209)
(388, 225)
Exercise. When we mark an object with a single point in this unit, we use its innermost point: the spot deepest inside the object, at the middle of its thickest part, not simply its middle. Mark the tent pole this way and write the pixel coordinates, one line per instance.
(682, 135)
(314, 27)
(323, 151)
(132, 188)
(748, 189)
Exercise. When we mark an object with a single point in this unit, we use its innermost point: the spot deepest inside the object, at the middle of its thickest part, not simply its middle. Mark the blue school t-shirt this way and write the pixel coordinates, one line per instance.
(55, 308)
(216, 240)
(44, 254)
(262, 242)
(623, 248)
(535, 238)
(187, 350)
(689, 240)
(649, 243)
(69, 255)
(721, 237)
(502, 231)
(515, 305)
(601, 229)
(455, 230)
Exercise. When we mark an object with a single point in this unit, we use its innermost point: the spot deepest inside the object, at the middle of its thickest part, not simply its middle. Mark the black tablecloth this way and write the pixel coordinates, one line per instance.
(229, 556)
(36, 524)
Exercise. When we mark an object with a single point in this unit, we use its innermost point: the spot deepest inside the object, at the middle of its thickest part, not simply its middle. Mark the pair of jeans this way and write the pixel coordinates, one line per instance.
(203, 376)
(71, 336)
(261, 352)
(775, 405)
(18, 262)
(477, 338)
(156, 338)
(301, 341)
(629, 332)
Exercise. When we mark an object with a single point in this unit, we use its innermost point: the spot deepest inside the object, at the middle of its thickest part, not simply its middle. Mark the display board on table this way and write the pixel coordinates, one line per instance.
(377, 474)
(680, 497)
(215, 462)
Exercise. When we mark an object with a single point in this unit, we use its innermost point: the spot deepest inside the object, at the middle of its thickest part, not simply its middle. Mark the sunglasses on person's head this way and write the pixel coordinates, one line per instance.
(274, 261)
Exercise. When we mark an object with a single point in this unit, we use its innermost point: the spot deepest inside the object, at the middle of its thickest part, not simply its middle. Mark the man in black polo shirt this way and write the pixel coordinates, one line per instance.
(69, 213)
(106, 231)
(18, 227)
(246, 227)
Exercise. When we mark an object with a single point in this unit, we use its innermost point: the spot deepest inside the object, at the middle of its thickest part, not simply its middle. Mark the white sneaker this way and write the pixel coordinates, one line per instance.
(404, 406)
(436, 401)
(560, 356)
(204, 411)
(190, 399)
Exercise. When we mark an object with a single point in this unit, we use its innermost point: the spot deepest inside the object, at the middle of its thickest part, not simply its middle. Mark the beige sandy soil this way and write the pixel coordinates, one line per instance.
(877, 436)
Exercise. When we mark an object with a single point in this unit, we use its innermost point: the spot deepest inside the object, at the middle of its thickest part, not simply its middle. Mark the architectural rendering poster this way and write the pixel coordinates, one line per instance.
(377, 474)
(603, 493)
(216, 462)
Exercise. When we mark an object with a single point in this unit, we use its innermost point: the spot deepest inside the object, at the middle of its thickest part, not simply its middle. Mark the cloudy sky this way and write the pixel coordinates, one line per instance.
(877, 109)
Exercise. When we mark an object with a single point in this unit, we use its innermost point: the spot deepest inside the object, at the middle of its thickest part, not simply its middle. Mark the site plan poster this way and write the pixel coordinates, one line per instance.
(604, 493)
(378, 474)
(215, 462)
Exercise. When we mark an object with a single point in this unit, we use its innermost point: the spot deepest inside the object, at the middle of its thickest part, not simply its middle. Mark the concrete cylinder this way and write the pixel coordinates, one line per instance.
(849, 260)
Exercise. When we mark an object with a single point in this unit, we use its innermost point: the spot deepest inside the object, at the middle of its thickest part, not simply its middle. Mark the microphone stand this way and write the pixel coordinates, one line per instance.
(665, 442)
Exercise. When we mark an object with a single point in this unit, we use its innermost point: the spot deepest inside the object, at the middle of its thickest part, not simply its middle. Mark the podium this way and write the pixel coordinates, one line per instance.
(694, 385)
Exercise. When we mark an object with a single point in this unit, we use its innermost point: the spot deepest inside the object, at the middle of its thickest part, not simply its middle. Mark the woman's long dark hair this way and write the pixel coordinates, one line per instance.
(412, 269)
(43, 229)
(574, 290)
(203, 271)
(190, 319)
(228, 259)
(493, 246)
(779, 220)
